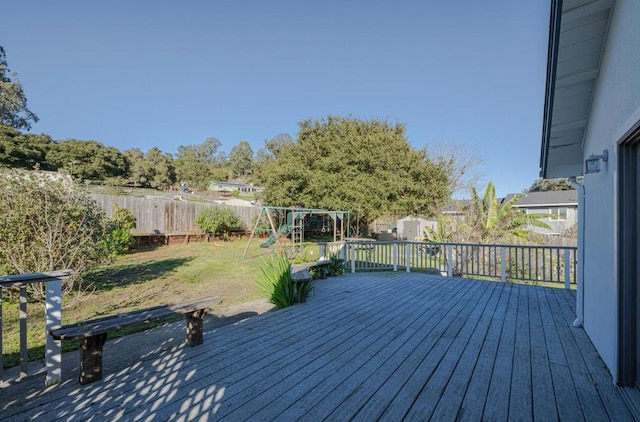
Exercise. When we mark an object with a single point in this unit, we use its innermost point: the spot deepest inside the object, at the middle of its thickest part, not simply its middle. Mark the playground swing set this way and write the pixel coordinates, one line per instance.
(290, 228)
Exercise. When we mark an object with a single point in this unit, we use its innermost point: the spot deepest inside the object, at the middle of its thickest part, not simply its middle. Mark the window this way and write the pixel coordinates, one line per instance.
(559, 213)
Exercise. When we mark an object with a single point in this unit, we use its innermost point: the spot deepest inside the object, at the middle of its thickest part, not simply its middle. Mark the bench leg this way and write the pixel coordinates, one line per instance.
(195, 322)
(91, 358)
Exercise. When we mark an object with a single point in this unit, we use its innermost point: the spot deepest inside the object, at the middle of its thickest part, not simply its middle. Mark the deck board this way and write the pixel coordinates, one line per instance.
(366, 346)
(497, 405)
(544, 404)
(521, 394)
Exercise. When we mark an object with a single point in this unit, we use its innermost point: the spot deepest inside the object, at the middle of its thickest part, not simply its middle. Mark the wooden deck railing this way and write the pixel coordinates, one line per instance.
(539, 264)
(53, 317)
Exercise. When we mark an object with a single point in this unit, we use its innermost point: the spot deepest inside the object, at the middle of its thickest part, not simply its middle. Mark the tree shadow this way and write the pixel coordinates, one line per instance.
(108, 278)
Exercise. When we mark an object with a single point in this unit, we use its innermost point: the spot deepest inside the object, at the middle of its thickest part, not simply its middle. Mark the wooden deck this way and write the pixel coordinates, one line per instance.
(367, 346)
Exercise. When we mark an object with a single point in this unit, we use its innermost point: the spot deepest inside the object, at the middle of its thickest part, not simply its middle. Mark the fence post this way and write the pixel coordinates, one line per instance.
(449, 260)
(352, 248)
(503, 265)
(53, 318)
(407, 255)
(567, 270)
(395, 256)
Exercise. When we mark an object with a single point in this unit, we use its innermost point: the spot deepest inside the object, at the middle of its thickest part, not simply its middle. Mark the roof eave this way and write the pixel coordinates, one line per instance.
(552, 65)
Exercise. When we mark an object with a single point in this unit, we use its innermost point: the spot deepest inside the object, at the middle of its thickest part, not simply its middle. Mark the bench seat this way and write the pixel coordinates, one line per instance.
(322, 264)
(92, 334)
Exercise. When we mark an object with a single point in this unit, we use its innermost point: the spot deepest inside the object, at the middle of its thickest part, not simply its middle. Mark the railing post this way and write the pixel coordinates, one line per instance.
(352, 248)
(395, 256)
(407, 255)
(322, 250)
(503, 265)
(567, 270)
(53, 317)
(23, 332)
(449, 260)
(1, 363)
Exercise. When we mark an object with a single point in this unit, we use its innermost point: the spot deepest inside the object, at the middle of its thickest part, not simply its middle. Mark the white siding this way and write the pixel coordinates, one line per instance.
(616, 107)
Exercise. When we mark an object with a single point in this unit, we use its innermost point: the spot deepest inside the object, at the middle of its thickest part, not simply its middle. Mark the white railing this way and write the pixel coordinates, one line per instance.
(538, 264)
(53, 317)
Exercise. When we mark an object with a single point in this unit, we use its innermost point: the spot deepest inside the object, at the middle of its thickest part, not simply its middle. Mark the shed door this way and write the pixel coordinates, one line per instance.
(411, 230)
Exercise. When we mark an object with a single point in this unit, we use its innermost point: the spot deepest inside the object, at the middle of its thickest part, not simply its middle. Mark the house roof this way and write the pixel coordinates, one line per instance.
(454, 206)
(559, 198)
(577, 36)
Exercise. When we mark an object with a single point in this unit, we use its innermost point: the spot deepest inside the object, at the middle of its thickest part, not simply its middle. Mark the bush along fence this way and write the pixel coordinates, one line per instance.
(534, 264)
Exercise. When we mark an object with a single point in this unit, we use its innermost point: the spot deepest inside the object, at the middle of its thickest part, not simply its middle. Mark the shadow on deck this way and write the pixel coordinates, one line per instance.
(365, 346)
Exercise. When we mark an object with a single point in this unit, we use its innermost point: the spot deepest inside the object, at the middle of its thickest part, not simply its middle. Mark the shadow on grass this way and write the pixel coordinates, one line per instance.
(105, 279)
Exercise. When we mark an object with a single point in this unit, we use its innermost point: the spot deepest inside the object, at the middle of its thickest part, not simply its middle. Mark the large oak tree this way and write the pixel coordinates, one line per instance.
(344, 163)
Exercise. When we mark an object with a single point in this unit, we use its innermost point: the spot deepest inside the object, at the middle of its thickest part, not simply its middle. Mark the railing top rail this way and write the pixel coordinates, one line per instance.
(22, 279)
(389, 242)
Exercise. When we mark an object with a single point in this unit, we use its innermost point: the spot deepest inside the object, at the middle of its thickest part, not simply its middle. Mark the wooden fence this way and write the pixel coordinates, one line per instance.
(157, 215)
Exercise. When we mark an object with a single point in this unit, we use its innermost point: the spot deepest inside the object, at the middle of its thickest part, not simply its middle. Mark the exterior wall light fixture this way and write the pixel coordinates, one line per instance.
(592, 163)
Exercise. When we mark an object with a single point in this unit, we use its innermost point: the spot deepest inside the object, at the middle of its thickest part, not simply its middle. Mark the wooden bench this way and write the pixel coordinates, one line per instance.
(322, 264)
(302, 277)
(92, 334)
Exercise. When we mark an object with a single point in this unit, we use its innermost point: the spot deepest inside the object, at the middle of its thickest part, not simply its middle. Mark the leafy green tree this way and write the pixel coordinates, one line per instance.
(544, 185)
(194, 163)
(218, 221)
(87, 160)
(134, 166)
(48, 223)
(13, 101)
(26, 151)
(241, 159)
(159, 169)
(344, 163)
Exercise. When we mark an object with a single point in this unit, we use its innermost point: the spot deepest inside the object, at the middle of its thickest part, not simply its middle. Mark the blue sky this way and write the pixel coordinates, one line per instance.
(168, 73)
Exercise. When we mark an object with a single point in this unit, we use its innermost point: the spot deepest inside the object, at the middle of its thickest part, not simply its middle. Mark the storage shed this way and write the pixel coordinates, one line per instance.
(412, 228)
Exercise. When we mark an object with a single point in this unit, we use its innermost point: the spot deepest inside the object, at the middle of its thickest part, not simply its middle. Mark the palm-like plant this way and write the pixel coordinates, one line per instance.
(491, 221)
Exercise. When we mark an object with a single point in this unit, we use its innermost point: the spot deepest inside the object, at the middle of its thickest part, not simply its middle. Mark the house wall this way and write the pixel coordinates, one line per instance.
(557, 226)
(615, 109)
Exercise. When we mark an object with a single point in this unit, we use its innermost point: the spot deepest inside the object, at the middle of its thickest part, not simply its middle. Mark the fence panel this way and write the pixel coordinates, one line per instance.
(156, 215)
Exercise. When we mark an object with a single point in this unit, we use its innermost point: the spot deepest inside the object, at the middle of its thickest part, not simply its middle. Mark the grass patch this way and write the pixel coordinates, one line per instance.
(164, 275)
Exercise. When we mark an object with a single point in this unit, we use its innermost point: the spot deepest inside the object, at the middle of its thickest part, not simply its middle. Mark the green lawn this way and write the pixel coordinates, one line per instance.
(168, 274)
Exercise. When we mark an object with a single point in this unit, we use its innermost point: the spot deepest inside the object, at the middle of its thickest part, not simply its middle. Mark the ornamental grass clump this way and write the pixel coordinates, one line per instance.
(275, 280)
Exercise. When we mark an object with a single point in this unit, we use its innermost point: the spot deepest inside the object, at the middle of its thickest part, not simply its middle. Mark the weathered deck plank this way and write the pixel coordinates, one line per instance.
(451, 400)
(388, 346)
(567, 403)
(544, 404)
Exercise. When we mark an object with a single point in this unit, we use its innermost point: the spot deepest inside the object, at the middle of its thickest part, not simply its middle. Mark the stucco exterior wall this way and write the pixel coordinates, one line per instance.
(615, 109)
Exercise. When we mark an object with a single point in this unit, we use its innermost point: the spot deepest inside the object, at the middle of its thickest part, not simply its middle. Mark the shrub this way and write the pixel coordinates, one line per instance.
(48, 223)
(218, 221)
(337, 265)
(119, 238)
(275, 280)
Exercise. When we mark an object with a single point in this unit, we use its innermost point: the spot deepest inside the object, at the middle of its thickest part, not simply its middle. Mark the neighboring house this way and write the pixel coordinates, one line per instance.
(592, 128)
(562, 207)
(231, 186)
